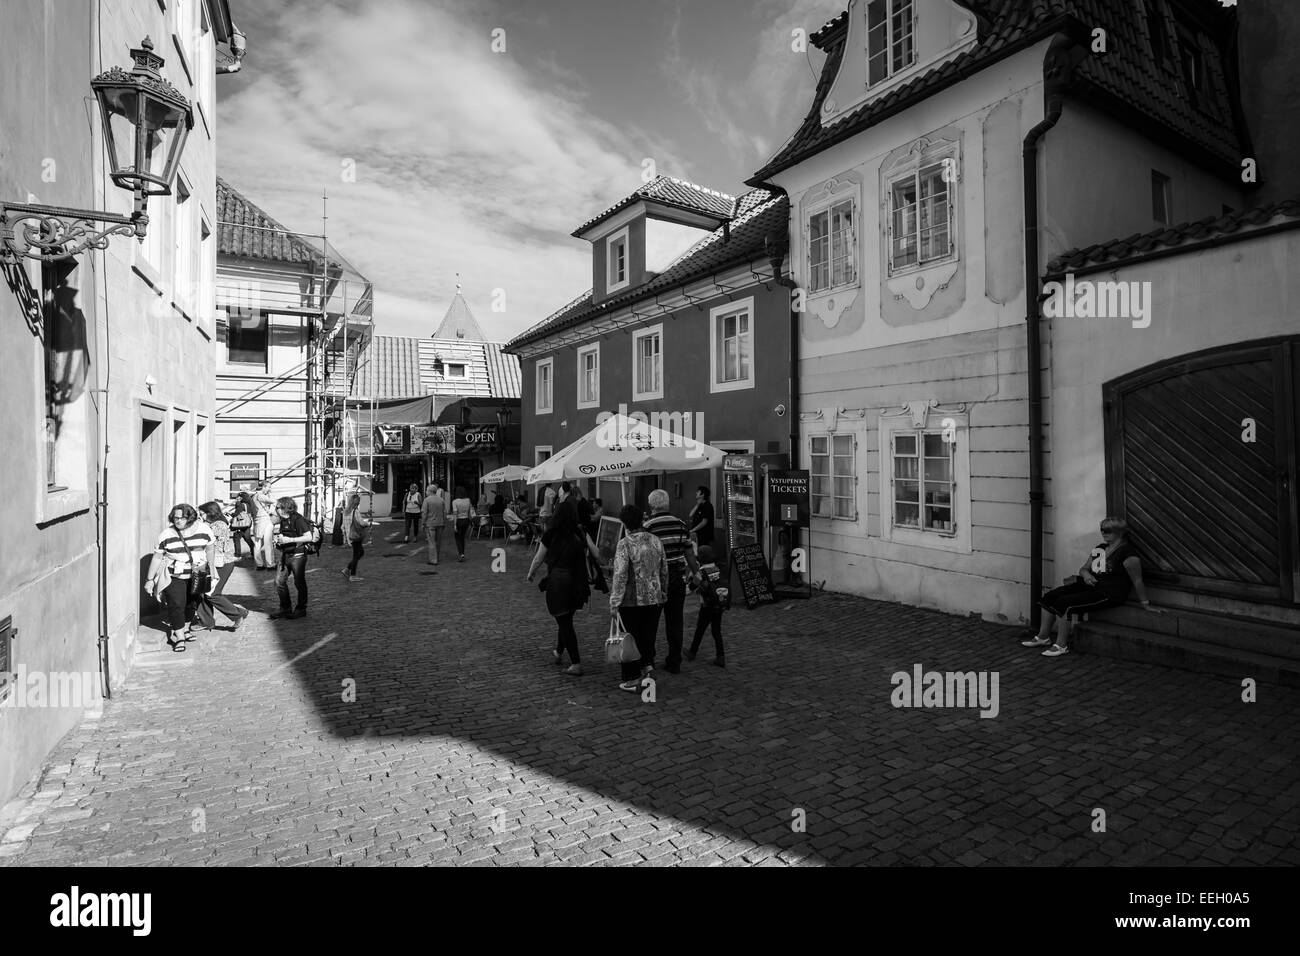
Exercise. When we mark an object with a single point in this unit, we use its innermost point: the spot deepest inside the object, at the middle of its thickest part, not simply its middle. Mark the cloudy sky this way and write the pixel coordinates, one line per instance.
(480, 162)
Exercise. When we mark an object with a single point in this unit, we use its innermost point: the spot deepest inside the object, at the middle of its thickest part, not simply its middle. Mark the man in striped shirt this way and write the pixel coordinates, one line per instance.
(676, 539)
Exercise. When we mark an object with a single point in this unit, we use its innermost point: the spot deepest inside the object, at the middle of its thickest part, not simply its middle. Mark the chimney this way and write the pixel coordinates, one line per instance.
(1268, 59)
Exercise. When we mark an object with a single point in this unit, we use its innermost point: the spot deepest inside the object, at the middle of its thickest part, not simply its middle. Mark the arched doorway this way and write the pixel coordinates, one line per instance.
(1201, 459)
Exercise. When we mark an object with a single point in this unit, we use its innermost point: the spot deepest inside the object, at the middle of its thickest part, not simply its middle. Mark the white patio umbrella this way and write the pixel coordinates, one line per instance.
(624, 446)
(504, 474)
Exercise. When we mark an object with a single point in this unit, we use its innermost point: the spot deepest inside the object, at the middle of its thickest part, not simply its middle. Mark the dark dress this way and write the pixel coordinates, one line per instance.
(1111, 590)
(567, 588)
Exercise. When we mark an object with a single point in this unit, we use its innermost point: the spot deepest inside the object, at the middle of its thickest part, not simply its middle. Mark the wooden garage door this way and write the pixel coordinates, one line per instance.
(1210, 509)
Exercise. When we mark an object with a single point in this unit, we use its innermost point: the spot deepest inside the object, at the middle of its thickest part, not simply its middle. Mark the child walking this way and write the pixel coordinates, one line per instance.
(713, 603)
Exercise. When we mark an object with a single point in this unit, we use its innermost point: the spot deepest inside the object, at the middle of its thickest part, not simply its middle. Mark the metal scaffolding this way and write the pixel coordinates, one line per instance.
(336, 303)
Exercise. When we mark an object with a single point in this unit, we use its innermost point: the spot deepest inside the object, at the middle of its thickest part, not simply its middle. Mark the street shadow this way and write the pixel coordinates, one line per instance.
(795, 746)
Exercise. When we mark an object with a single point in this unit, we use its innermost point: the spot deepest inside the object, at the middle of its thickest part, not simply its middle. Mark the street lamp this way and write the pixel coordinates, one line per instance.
(146, 122)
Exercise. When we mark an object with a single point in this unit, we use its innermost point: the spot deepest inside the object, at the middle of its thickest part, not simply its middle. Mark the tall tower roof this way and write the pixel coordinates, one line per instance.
(459, 322)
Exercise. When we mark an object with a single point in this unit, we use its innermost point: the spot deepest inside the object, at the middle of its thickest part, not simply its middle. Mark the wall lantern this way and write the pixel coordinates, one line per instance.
(503, 422)
(146, 122)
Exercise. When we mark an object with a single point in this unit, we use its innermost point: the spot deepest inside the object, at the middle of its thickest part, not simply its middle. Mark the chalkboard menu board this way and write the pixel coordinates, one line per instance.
(755, 576)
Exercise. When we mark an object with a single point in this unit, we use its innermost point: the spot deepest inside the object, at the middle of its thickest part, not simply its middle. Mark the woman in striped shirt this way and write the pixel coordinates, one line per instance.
(185, 546)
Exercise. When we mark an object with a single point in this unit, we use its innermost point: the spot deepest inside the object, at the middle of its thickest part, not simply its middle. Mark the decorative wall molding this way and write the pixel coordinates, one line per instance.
(919, 287)
(920, 410)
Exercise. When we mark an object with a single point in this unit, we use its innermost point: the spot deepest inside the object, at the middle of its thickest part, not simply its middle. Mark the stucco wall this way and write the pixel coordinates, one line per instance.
(746, 414)
(48, 580)
(48, 570)
(1228, 295)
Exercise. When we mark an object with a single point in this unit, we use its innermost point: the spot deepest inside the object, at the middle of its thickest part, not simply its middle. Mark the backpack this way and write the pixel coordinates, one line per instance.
(317, 536)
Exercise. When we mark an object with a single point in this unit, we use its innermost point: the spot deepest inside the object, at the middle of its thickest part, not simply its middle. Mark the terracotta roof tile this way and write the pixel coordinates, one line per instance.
(244, 229)
(1168, 237)
(1128, 79)
(759, 213)
(671, 192)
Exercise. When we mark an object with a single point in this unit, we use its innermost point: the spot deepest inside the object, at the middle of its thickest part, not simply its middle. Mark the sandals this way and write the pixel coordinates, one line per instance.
(1056, 650)
(1036, 642)
(177, 646)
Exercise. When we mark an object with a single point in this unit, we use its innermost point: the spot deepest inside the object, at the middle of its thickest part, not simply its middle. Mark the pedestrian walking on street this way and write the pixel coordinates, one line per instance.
(293, 541)
(637, 593)
(223, 564)
(355, 524)
(264, 556)
(185, 549)
(1120, 574)
(673, 534)
(241, 524)
(411, 506)
(712, 604)
(434, 513)
(701, 517)
(564, 551)
(462, 512)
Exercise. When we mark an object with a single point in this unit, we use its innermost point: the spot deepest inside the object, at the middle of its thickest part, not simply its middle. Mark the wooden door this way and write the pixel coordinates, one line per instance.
(1201, 460)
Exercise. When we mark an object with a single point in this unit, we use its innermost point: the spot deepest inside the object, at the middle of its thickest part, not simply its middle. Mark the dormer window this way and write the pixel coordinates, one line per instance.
(455, 370)
(1191, 63)
(890, 39)
(617, 266)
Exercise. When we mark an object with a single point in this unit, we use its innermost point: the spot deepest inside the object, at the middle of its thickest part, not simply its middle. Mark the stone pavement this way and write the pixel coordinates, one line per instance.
(466, 745)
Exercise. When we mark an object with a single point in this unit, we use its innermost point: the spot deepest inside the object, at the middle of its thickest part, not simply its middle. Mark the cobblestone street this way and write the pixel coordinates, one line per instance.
(466, 745)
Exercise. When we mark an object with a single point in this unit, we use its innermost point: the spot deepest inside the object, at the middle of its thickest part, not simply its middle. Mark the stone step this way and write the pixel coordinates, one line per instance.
(1231, 631)
(1108, 639)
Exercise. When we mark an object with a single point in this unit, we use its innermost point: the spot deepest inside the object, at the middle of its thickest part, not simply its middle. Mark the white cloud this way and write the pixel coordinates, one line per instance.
(465, 162)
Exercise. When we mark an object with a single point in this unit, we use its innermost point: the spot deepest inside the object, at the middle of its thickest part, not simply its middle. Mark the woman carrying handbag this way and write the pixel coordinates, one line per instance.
(637, 593)
(564, 550)
(179, 568)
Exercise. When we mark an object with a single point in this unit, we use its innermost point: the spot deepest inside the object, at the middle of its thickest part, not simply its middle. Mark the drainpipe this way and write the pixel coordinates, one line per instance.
(1062, 56)
(238, 46)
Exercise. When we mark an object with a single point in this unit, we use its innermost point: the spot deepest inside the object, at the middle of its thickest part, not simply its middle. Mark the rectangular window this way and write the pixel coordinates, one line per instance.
(647, 364)
(732, 346)
(616, 275)
(832, 247)
(589, 376)
(207, 267)
(545, 393)
(920, 218)
(1156, 31)
(206, 65)
(246, 339)
(184, 269)
(1161, 198)
(890, 39)
(455, 371)
(1190, 62)
(923, 482)
(834, 477)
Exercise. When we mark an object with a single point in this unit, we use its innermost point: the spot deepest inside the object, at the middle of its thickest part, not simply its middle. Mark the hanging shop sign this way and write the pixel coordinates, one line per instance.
(476, 439)
(433, 439)
(392, 440)
(788, 497)
(244, 476)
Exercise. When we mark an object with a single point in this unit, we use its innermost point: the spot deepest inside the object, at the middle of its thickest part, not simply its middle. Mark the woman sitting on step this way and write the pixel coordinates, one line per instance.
(1112, 570)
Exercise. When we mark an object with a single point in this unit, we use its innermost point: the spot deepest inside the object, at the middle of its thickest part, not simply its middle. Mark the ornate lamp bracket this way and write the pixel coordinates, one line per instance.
(51, 233)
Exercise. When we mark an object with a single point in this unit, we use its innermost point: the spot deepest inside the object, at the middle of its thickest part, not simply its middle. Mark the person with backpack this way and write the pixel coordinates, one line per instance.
(296, 540)
(355, 524)
(713, 601)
